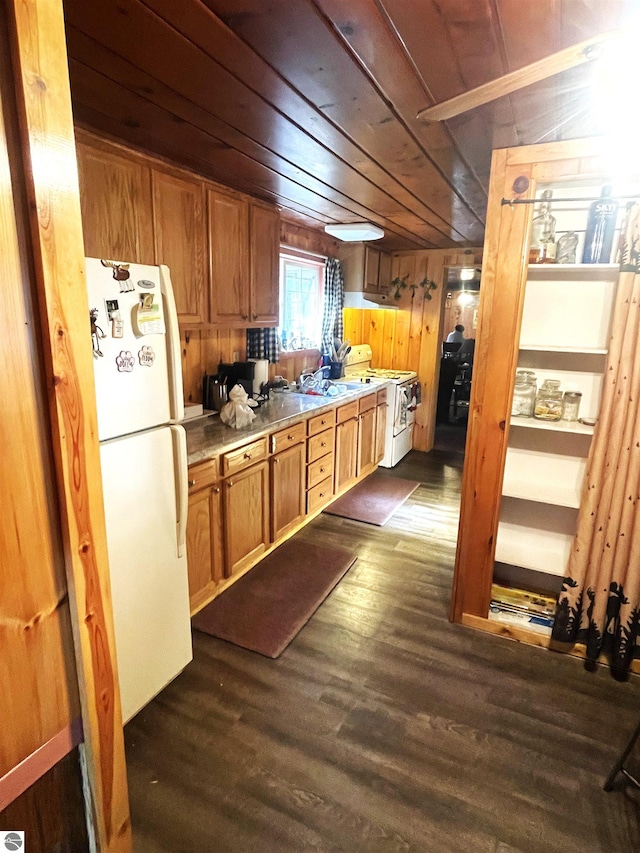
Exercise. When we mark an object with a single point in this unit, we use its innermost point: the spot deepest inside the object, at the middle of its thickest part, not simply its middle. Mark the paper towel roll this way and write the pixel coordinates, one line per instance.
(261, 374)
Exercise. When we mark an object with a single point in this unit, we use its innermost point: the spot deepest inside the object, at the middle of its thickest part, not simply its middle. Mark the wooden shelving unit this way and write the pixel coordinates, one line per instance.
(523, 477)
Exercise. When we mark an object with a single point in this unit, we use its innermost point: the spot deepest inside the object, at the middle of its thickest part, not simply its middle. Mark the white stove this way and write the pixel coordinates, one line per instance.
(402, 400)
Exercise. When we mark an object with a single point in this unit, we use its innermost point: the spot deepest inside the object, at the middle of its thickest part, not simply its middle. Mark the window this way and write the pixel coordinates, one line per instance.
(301, 288)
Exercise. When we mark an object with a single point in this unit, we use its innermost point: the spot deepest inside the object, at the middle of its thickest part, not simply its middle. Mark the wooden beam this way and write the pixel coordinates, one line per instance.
(563, 60)
(46, 128)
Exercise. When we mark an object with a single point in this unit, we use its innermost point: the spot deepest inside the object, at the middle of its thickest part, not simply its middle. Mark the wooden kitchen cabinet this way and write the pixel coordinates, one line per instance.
(366, 435)
(246, 516)
(366, 269)
(228, 258)
(346, 452)
(179, 226)
(264, 291)
(115, 198)
(287, 490)
(244, 251)
(518, 518)
(205, 559)
(381, 423)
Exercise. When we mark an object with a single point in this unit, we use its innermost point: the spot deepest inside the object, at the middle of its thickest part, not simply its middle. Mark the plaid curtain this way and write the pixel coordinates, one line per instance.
(263, 343)
(333, 303)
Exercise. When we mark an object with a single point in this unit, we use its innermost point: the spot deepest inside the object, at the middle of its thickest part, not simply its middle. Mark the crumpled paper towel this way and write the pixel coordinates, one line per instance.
(237, 412)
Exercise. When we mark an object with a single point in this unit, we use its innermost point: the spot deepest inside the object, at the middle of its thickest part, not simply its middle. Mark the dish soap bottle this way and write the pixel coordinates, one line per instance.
(542, 248)
(600, 227)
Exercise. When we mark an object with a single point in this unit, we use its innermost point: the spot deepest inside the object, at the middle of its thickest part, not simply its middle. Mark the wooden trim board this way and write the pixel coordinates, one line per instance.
(24, 775)
(47, 138)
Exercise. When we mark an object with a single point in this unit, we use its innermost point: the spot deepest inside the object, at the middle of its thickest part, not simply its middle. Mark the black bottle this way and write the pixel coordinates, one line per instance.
(600, 227)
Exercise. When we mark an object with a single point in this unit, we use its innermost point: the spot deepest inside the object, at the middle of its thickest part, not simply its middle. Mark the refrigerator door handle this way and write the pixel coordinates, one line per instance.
(173, 345)
(179, 437)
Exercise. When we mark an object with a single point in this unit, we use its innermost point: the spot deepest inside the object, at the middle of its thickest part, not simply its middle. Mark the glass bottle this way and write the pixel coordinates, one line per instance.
(548, 405)
(542, 249)
(601, 224)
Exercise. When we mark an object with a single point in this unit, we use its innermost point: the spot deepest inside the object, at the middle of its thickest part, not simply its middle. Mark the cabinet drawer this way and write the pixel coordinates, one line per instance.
(203, 474)
(321, 422)
(319, 445)
(367, 403)
(319, 495)
(381, 396)
(244, 456)
(287, 437)
(347, 412)
(320, 470)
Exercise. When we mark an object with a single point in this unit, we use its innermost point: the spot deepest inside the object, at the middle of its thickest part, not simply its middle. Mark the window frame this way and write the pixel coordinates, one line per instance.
(308, 260)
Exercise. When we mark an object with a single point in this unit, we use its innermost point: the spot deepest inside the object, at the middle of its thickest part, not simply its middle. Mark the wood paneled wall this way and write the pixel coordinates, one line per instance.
(410, 337)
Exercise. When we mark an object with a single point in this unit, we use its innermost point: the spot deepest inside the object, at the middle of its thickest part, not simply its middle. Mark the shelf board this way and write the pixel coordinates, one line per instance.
(547, 348)
(553, 426)
(578, 272)
(545, 551)
(542, 477)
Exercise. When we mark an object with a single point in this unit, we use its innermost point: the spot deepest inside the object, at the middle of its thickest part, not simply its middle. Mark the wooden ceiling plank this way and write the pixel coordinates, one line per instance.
(354, 113)
(142, 123)
(187, 66)
(361, 26)
(86, 51)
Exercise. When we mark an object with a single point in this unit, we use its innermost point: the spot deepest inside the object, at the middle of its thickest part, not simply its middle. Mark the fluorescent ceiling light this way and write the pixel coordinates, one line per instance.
(355, 231)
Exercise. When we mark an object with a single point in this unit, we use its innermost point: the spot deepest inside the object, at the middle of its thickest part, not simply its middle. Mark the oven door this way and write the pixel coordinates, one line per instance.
(402, 416)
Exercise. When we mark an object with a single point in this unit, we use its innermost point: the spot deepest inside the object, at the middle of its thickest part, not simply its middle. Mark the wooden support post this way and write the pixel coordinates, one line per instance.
(44, 107)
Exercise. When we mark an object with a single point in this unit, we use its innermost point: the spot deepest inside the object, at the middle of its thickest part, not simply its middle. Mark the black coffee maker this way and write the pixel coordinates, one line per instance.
(216, 387)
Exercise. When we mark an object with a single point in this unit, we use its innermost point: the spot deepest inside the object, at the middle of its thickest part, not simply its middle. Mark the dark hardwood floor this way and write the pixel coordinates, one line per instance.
(383, 727)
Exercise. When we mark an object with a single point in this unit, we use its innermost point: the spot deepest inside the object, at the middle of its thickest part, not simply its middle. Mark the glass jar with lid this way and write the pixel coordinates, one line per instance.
(571, 405)
(548, 404)
(524, 394)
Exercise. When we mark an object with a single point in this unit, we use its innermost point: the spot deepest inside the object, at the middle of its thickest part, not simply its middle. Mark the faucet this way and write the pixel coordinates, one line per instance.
(308, 378)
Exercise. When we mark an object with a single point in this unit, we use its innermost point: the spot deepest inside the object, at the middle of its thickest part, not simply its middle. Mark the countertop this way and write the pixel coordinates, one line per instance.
(207, 436)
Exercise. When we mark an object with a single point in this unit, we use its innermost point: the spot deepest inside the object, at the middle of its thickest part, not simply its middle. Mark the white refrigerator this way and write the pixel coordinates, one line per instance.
(136, 357)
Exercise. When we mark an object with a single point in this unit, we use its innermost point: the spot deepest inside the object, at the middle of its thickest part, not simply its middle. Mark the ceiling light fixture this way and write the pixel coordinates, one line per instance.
(355, 231)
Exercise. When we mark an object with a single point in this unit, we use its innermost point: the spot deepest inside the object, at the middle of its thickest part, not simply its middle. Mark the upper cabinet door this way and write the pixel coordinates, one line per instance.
(180, 240)
(371, 269)
(229, 255)
(265, 255)
(115, 196)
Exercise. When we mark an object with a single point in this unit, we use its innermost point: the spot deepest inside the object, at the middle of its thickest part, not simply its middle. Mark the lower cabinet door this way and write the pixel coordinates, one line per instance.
(366, 442)
(381, 426)
(246, 516)
(346, 457)
(287, 490)
(205, 562)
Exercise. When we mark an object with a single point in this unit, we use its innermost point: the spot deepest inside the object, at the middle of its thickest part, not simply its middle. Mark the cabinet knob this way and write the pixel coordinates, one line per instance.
(247, 456)
(290, 437)
(229, 483)
(216, 491)
(192, 483)
(255, 316)
(322, 470)
(245, 316)
(275, 461)
(321, 494)
(323, 444)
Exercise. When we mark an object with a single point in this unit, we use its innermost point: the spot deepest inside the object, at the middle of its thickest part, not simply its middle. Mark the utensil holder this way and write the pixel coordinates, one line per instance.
(336, 370)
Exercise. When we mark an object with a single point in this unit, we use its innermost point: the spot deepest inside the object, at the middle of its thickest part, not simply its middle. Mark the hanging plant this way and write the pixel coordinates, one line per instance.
(400, 284)
(427, 285)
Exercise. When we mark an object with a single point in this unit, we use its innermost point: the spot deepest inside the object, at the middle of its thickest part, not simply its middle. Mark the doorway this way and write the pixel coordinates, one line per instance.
(459, 323)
